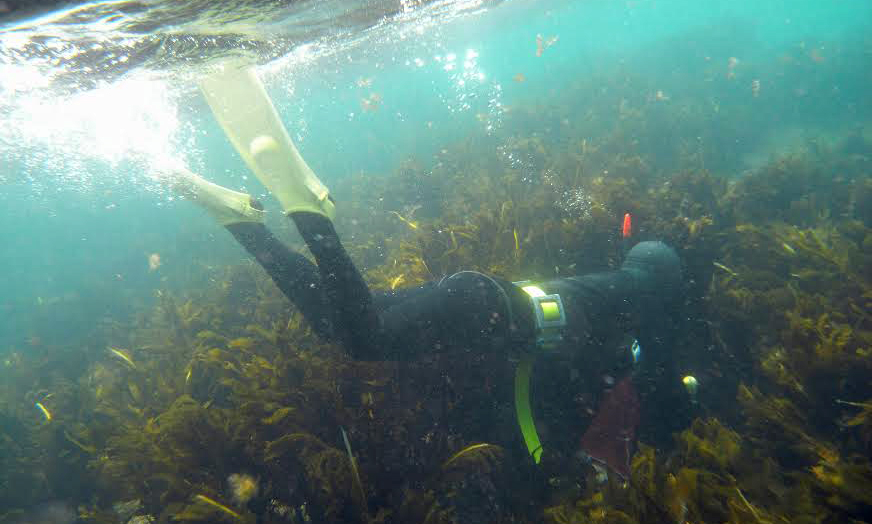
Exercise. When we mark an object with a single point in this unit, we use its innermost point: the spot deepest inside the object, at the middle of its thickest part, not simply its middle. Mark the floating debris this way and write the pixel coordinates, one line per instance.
(371, 103)
(691, 385)
(154, 262)
(732, 62)
(543, 43)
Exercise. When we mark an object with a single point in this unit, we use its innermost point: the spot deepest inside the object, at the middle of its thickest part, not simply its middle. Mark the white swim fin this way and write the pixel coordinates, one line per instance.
(225, 205)
(249, 119)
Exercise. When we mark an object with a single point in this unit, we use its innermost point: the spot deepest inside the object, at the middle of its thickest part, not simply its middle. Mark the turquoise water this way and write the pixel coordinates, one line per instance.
(78, 229)
(80, 214)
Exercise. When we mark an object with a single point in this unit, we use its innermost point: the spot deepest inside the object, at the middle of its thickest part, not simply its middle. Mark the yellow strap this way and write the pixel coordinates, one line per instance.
(522, 407)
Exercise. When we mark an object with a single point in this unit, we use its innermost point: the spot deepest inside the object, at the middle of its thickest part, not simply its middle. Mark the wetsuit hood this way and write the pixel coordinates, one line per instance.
(661, 265)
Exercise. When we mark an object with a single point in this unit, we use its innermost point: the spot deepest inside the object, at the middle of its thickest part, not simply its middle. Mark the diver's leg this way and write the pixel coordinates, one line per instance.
(296, 277)
(347, 292)
(242, 216)
(245, 112)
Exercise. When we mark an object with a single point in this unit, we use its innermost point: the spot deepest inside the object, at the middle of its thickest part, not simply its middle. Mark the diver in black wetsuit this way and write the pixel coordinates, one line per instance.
(467, 310)
(464, 310)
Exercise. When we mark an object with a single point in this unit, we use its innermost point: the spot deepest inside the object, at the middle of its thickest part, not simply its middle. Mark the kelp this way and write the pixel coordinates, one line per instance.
(473, 485)
(324, 474)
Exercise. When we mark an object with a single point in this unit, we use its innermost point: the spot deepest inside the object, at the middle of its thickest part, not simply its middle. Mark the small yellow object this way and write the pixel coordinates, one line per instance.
(396, 281)
(122, 354)
(725, 268)
(464, 451)
(45, 411)
(690, 384)
(517, 240)
(412, 225)
(222, 507)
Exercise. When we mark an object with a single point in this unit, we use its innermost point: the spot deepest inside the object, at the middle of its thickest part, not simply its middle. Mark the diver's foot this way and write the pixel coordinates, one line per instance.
(225, 205)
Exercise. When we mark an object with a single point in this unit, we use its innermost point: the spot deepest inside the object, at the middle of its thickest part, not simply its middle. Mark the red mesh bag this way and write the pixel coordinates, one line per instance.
(610, 439)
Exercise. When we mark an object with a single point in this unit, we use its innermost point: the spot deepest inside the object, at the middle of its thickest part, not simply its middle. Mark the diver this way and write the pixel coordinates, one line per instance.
(466, 311)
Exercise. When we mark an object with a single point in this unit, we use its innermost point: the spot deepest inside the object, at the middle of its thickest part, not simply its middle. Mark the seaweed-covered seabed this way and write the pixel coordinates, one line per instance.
(218, 404)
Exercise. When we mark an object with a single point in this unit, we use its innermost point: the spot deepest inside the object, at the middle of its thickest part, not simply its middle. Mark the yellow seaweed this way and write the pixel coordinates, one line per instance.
(279, 415)
(84, 447)
(123, 355)
(218, 505)
(45, 412)
(412, 225)
(464, 451)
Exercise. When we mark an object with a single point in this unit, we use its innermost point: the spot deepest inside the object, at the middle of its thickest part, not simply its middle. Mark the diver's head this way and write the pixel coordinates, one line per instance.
(661, 265)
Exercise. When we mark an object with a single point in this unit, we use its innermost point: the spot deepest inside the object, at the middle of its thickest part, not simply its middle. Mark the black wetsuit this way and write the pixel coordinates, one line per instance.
(467, 310)
(477, 313)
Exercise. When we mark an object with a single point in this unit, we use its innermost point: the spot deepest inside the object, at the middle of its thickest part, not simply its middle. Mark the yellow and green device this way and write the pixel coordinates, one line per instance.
(550, 319)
